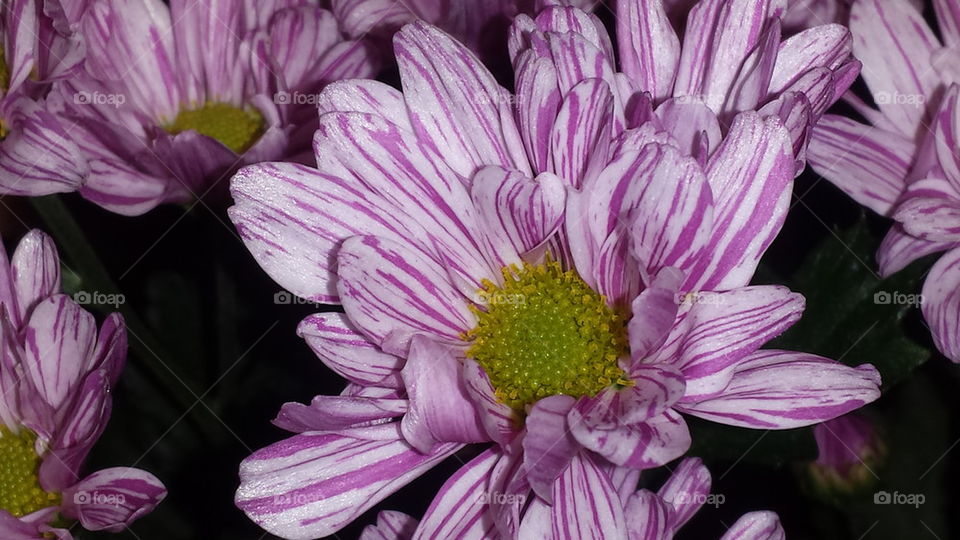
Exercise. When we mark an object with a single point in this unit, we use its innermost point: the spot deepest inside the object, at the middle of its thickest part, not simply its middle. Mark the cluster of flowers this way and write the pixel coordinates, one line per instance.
(570, 262)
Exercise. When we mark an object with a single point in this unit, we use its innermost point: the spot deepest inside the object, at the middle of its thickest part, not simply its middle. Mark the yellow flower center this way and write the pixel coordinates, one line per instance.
(4, 71)
(236, 128)
(546, 332)
(20, 491)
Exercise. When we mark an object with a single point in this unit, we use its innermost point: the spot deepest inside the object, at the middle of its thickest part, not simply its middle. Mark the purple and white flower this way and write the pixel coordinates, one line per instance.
(172, 99)
(56, 374)
(33, 52)
(570, 283)
(646, 514)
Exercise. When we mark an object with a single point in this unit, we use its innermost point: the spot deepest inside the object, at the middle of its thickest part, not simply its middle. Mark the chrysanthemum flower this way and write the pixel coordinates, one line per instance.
(172, 99)
(33, 52)
(907, 69)
(731, 59)
(567, 318)
(644, 514)
(56, 375)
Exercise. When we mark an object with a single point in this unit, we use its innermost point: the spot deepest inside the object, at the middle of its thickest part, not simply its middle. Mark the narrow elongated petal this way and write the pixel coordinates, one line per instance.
(498, 418)
(930, 211)
(112, 499)
(948, 16)
(313, 484)
(868, 164)
(335, 340)
(775, 389)
(756, 526)
(753, 79)
(941, 306)
(581, 133)
(750, 201)
(538, 101)
(35, 269)
(365, 96)
(821, 46)
(38, 156)
(947, 134)
(649, 46)
(388, 287)
(686, 489)
(437, 416)
(59, 340)
(548, 445)
(720, 329)
(689, 121)
(654, 312)
(461, 509)
(329, 413)
(455, 103)
(648, 516)
(895, 45)
(585, 506)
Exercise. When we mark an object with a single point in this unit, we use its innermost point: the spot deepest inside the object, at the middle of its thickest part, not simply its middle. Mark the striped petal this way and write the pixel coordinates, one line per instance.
(775, 389)
(581, 132)
(648, 45)
(335, 340)
(756, 526)
(330, 413)
(826, 45)
(720, 329)
(365, 96)
(461, 509)
(59, 340)
(437, 416)
(37, 156)
(519, 214)
(941, 304)
(35, 270)
(648, 516)
(948, 15)
(498, 419)
(930, 210)
(538, 102)
(753, 78)
(687, 490)
(389, 288)
(899, 249)
(947, 134)
(112, 499)
(455, 104)
(868, 164)
(313, 484)
(391, 525)
(426, 195)
(654, 312)
(643, 445)
(585, 506)
(895, 45)
(750, 199)
(689, 121)
(548, 445)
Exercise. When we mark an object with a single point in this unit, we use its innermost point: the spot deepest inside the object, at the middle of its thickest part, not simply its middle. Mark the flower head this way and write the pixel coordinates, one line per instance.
(57, 372)
(570, 283)
(174, 98)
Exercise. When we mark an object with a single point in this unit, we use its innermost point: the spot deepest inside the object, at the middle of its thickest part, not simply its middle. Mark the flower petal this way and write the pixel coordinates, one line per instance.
(581, 132)
(750, 199)
(389, 288)
(868, 164)
(648, 45)
(59, 342)
(654, 312)
(899, 249)
(643, 445)
(548, 446)
(775, 389)
(330, 413)
(112, 499)
(825, 45)
(437, 416)
(941, 304)
(334, 339)
(461, 509)
(648, 516)
(585, 506)
(756, 526)
(313, 484)
(686, 489)
(35, 269)
(454, 102)
(391, 525)
(498, 418)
